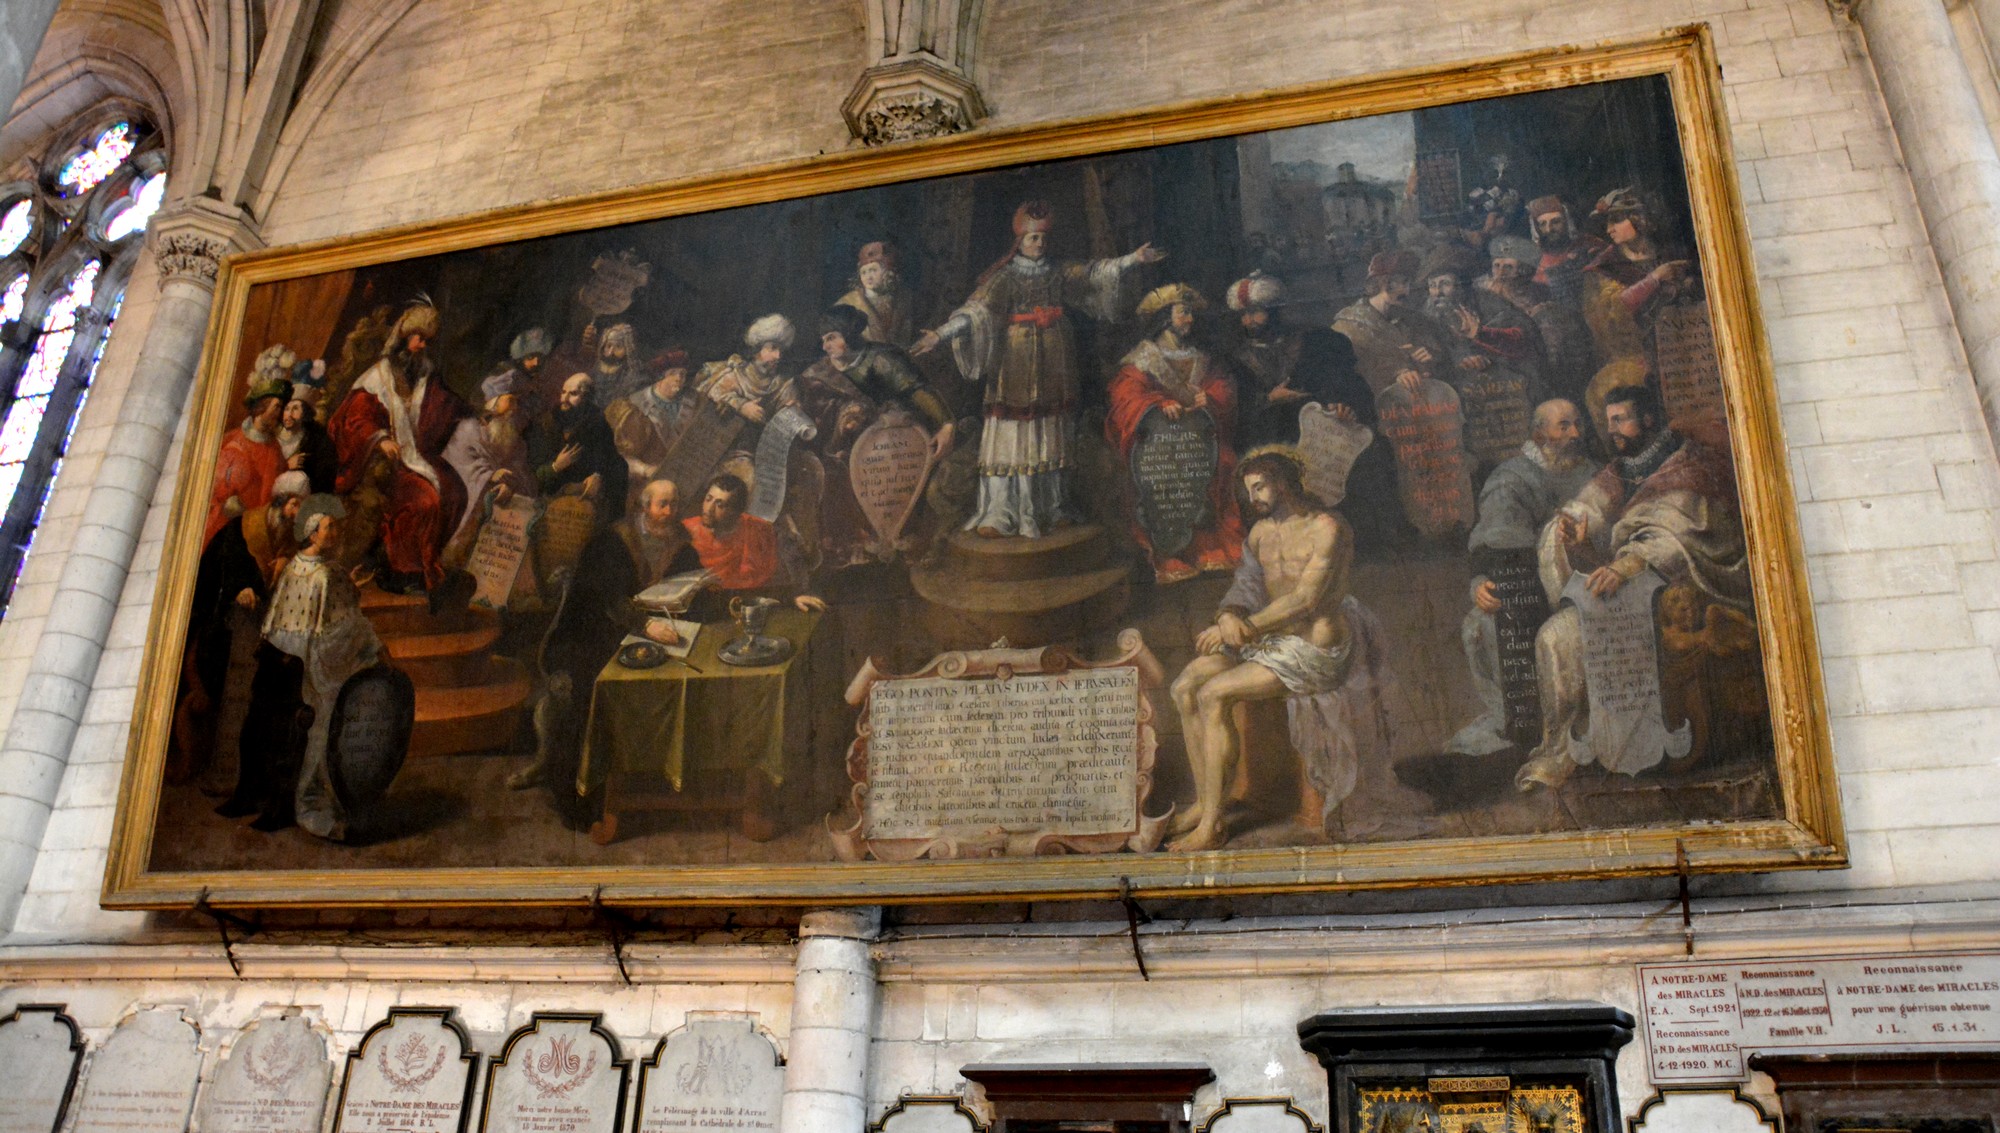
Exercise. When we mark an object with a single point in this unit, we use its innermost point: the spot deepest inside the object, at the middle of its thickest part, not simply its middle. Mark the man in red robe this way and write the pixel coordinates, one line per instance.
(1167, 374)
(740, 550)
(250, 460)
(401, 413)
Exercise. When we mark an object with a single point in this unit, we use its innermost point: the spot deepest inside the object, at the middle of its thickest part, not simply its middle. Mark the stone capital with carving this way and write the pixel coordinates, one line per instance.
(191, 242)
(909, 99)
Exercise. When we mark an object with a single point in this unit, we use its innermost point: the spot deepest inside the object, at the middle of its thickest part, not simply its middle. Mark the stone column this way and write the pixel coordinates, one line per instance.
(22, 23)
(833, 1022)
(1952, 164)
(918, 83)
(187, 248)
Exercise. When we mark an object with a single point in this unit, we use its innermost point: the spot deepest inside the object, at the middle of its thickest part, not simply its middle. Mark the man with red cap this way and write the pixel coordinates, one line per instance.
(1393, 342)
(878, 297)
(1013, 335)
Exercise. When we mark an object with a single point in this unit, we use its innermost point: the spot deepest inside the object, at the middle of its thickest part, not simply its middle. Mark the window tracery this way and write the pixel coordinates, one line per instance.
(65, 255)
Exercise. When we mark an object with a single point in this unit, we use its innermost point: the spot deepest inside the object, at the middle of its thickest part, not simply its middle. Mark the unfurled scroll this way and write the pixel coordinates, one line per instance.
(1004, 751)
(1621, 672)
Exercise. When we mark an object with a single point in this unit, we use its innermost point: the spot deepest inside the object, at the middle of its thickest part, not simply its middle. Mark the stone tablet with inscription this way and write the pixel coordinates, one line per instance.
(370, 735)
(411, 1074)
(559, 1074)
(1524, 606)
(273, 1080)
(711, 1076)
(497, 554)
(1684, 356)
(1328, 448)
(143, 1079)
(1173, 464)
(40, 1049)
(1426, 430)
(1056, 752)
(562, 531)
(1498, 412)
(888, 465)
(1621, 672)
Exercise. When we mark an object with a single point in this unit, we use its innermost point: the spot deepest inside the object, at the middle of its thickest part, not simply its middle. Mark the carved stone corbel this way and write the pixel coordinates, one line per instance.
(190, 242)
(919, 82)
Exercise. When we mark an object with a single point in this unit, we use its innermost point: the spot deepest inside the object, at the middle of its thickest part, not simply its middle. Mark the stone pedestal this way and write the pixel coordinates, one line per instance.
(1031, 592)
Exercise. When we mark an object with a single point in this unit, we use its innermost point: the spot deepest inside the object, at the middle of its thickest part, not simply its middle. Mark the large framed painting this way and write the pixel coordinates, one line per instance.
(1374, 484)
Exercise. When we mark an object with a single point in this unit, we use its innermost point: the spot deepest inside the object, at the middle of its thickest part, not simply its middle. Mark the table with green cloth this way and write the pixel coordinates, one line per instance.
(701, 714)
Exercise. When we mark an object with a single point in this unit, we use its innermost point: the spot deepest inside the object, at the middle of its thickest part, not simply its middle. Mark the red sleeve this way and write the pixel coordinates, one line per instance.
(1133, 394)
(1507, 342)
(355, 428)
(1221, 403)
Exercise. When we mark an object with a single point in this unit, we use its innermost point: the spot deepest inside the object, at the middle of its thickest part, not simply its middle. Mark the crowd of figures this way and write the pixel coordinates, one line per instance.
(1520, 345)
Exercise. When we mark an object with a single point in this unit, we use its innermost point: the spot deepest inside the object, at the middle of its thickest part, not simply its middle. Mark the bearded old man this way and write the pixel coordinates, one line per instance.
(1517, 501)
(400, 415)
(753, 388)
(574, 453)
(1666, 503)
(616, 372)
(490, 455)
(1014, 336)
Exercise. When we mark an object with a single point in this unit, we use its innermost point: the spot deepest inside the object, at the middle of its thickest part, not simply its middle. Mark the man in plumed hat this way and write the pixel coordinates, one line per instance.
(876, 294)
(250, 460)
(1169, 375)
(1283, 367)
(399, 416)
(1392, 341)
(1013, 335)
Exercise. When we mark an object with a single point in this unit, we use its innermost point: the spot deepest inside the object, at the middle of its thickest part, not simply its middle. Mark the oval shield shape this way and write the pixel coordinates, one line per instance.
(888, 465)
(370, 734)
(1173, 464)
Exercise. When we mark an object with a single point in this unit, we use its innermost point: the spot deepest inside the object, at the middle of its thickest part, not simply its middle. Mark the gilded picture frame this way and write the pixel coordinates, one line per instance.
(1798, 824)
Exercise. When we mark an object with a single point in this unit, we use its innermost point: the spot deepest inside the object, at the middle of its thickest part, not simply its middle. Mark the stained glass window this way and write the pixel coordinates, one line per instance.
(13, 299)
(81, 173)
(144, 204)
(58, 329)
(14, 225)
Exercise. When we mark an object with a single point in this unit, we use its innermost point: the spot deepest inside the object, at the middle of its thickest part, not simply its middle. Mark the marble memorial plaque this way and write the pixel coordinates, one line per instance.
(412, 1073)
(1621, 673)
(887, 466)
(1426, 430)
(1328, 448)
(559, 1074)
(711, 1076)
(40, 1048)
(1173, 466)
(940, 1114)
(143, 1079)
(1702, 1020)
(273, 1080)
(1260, 1115)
